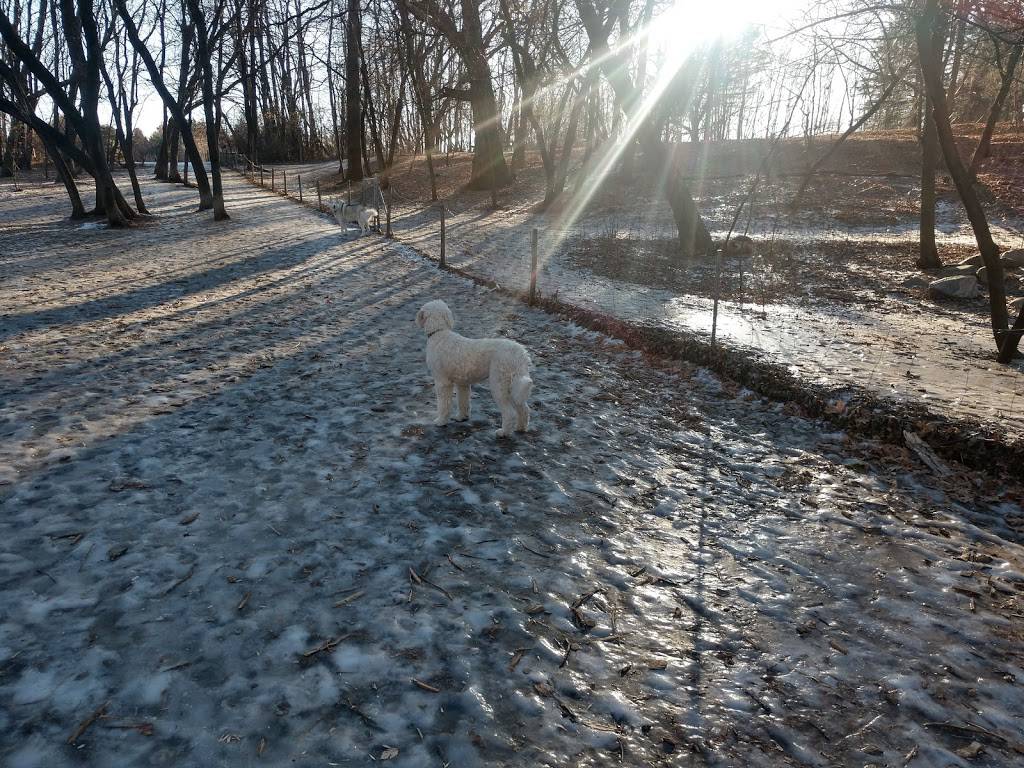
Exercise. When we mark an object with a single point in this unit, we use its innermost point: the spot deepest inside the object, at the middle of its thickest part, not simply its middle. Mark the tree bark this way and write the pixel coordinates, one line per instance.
(984, 149)
(212, 139)
(928, 253)
(353, 105)
(931, 71)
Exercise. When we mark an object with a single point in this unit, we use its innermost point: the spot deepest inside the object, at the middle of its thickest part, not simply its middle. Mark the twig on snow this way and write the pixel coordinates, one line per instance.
(87, 723)
(420, 580)
(179, 582)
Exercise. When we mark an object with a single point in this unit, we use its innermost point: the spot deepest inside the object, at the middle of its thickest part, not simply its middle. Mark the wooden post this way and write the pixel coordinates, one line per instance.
(718, 293)
(533, 267)
(319, 200)
(442, 235)
(261, 175)
(742, 257)
(273, 184)
(387, 211)
(284, 182)
(300, 187)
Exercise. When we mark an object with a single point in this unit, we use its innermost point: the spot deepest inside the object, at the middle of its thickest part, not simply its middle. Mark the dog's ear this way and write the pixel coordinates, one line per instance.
(420, 319)
(449, 318)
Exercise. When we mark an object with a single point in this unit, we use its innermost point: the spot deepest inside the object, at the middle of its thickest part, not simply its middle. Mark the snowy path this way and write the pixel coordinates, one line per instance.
(227, 521)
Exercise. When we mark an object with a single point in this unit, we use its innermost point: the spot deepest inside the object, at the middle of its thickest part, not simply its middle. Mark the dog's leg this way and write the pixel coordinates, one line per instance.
(508, 419)
(522, 417)
(444, 401)
(463, 391)
(503, 398)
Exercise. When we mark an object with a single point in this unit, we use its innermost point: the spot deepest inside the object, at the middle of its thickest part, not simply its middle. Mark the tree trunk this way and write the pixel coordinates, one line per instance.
(931, 70)
(353, 106)
(984, 148)
(212, 139)
(929, 254)
(67, 179)
(489, 167)
(184, 128)
(160, 169)
(694, 238)
(173, 172)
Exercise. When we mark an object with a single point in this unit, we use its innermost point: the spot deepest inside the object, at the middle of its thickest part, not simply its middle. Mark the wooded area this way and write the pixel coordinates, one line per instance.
(366, 82)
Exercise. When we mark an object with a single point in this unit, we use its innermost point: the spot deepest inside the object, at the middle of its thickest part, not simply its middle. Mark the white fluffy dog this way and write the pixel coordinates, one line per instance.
(354, 213)
(458, 363)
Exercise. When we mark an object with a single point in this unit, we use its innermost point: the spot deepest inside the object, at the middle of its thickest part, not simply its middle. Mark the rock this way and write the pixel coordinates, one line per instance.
(1016, 305)
(962, 287)
(956, 270)
(915, 281)
(973, 261)
(982, 275)
(1014, 258)
(741, 245)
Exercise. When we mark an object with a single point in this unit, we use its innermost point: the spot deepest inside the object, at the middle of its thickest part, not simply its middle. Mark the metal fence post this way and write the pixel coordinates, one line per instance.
(533, 266)
(442, 235)
(300, 187)
(273, 184)
(284, 182)
(261, 175)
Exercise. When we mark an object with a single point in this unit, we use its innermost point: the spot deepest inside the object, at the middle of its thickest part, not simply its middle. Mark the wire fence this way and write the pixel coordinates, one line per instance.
(624, 266)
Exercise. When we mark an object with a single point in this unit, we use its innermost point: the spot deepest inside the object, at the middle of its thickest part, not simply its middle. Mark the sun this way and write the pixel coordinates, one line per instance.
(687, 25)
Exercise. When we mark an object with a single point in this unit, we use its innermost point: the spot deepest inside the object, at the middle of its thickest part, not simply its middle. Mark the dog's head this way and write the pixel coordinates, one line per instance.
(435, 316)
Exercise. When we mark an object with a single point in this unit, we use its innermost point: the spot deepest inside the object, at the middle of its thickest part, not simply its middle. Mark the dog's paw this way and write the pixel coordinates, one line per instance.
(460, 417)
(502, 433)
(440, 422)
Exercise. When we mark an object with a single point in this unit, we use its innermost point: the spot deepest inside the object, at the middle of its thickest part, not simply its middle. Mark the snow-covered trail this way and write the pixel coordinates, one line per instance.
(229, 528)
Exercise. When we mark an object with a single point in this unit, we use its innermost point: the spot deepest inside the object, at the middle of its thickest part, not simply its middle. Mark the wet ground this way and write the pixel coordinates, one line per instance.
(842, 330)
(231, 534)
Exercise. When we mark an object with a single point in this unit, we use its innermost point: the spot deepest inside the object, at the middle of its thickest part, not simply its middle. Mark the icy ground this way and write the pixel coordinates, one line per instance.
(913, 352)
(231, 536)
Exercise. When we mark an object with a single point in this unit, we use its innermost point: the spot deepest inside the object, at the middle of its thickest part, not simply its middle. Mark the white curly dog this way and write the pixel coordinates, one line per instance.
(458, 363)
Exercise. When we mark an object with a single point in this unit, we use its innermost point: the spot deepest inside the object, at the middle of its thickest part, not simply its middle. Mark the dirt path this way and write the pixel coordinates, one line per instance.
(231, 535)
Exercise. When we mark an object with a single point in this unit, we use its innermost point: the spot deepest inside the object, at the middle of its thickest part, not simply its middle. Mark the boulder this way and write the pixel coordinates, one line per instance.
(1015, 306)
(957, 270)
(961, 287)
(1014, 258)
(982, 275)
(741, 245)
(973, 261)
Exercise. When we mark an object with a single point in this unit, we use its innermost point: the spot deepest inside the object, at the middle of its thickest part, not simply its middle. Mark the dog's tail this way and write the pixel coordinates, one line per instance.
(522, 385)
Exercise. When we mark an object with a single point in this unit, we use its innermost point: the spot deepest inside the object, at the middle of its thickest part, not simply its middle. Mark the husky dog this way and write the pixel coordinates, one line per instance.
(354, 213)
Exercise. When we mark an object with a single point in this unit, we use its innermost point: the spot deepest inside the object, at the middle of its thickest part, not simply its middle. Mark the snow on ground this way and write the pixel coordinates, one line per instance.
(917, 354)
(231, 534)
